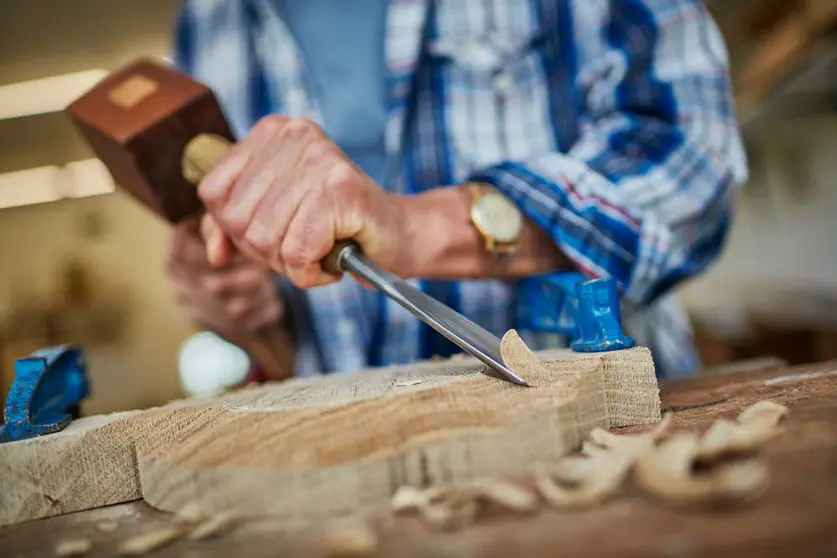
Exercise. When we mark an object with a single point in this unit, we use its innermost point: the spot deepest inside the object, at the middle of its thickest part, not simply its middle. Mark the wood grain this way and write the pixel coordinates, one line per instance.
(332, 444)
(796, 517)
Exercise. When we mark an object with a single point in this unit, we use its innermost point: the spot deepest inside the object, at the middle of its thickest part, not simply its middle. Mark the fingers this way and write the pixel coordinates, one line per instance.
(215, 188)
(302, 145)
(311, 236)
(218, 247)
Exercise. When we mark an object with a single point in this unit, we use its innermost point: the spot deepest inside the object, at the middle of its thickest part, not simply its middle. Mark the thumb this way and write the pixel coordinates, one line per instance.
(219, 248)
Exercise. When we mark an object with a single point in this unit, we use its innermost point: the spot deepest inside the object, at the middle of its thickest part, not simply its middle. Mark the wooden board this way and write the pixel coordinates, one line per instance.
(795, 517)
(330, 444)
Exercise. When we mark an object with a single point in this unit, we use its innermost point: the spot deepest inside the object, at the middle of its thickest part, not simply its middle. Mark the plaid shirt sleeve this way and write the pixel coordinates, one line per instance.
(645, 194)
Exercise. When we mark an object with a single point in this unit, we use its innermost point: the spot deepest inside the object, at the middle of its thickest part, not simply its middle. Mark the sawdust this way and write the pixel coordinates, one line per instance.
(73, 547)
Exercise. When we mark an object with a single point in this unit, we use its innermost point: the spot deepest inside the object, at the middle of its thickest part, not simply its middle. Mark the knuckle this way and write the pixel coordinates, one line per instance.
(215, 285)
(234, 221)
(269, 124)
(257, 237)
(295, 254)
(317, 152)
(237, 309)
(297, 129)
(340, 176)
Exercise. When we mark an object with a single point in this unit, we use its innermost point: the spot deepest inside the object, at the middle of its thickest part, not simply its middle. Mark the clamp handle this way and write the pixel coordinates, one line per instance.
(568, 303)
(47, 384)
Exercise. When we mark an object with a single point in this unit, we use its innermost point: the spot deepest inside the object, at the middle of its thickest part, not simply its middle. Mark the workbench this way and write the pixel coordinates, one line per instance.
(796, 517)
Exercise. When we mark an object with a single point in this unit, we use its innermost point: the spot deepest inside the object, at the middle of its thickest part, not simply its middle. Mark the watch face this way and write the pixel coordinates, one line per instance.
(497, 217)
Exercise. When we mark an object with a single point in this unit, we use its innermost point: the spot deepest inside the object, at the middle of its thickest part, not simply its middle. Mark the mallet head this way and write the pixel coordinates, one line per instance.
(138, 121)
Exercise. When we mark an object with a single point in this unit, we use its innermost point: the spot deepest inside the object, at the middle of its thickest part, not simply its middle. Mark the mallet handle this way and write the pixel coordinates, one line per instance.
(271, 346)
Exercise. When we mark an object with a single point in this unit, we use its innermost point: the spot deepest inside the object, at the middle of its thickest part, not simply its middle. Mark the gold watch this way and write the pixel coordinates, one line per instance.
(496, 218)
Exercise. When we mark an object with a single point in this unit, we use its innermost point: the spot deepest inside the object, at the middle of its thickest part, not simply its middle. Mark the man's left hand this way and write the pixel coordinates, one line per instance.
(286, 193)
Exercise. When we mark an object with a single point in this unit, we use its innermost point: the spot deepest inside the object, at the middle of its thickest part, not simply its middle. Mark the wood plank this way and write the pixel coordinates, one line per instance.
(796, 517)
(332, 444)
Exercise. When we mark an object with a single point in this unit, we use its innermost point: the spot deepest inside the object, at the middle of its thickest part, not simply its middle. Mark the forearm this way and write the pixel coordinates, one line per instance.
(444, 243)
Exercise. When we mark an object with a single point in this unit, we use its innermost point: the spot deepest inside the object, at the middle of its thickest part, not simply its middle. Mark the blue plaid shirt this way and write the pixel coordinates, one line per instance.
(610, 123)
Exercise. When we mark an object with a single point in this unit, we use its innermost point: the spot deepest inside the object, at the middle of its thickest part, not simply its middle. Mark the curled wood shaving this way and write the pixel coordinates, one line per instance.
(190, 513)
(408, 498)
(454, 507)
(755, 426)
(668, 472)
(581, 481)
(107, 526)
(213, 526)
(577, 486)
(349, 537)
(763, 413)
(73, 547)
(506, 494)
(146, 542)
(451, 517)
(631, 443)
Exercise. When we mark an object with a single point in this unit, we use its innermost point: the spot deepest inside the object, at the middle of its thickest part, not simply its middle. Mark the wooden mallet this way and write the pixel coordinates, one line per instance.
(158, 132)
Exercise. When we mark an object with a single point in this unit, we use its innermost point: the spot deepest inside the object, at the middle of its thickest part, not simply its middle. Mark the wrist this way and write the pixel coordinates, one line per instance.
(439, 240)
(437, 237)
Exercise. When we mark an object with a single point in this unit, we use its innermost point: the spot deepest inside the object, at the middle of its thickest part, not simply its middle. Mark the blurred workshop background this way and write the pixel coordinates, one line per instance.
(81, 262)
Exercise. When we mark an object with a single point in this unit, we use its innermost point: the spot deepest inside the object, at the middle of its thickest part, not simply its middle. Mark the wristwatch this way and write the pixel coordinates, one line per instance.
(497, 219)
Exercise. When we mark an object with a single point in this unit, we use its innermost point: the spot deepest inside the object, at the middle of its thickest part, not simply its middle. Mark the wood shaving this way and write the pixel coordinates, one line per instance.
(147, 542)
(597, 475)
(408, 383)
(454, 507)
(190, 513)
(408, 498)
(507, 495)
(446, 517)
(349, 537)
(668, 472)
(213, 526)
(599, 479)
(73, 547)
(107, 526)
(755, 426)
(764, 413)
(631, 443)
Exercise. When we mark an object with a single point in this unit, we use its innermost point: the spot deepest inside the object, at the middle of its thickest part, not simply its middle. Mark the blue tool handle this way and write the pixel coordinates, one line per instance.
(48, 383)
(568, 303)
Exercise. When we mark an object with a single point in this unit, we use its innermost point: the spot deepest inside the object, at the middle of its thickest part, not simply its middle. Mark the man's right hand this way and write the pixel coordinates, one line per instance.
(234, 300)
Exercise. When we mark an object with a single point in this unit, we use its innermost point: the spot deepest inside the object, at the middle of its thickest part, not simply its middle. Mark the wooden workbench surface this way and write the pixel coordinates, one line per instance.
(797, 517)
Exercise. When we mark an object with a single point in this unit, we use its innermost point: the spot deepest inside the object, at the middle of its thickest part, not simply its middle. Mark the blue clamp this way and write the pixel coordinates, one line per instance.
(568, 303)
(48, 383)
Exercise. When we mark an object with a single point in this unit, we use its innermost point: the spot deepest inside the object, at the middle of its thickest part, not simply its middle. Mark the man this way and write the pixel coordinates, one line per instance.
(462, 144)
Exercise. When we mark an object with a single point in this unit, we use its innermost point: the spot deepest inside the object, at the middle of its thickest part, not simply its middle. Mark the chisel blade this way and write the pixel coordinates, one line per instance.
(468, 335)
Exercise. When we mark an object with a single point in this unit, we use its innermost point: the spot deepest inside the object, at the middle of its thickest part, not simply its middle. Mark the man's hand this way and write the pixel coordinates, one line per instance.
(286, 194)
(235, 300)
